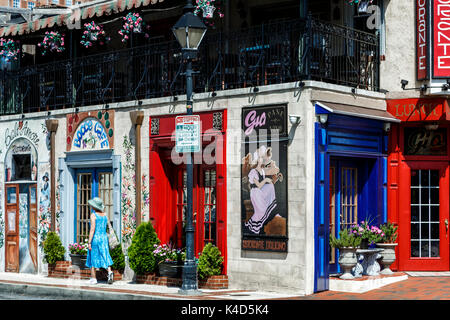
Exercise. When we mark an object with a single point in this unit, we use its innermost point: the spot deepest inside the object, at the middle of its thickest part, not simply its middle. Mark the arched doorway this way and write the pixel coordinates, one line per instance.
(21, 207)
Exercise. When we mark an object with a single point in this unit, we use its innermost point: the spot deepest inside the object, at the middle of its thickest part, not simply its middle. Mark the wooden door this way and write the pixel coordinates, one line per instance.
(423, 216)
(12, 228)
(33, 224)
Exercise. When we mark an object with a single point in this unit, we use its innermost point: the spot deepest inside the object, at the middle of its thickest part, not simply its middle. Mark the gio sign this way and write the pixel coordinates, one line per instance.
(433, 39)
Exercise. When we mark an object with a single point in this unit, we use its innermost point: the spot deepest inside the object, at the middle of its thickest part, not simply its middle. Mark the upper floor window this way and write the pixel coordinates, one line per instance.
(30, 5)
(16, 3)
(68, 2)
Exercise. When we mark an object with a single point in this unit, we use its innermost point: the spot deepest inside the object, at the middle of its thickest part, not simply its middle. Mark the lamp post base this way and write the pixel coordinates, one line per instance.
(190, 283)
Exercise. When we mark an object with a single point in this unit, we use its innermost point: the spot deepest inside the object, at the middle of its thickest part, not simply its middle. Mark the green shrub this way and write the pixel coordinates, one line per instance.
(140, 252)
(118, 258)
(209, 262)
(53, 248)
(346, 240)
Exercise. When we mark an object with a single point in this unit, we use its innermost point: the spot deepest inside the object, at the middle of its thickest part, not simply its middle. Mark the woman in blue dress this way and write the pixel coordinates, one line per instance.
(98, 253)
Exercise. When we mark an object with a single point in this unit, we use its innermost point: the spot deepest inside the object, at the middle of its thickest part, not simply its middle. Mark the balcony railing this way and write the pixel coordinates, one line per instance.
(269, 54)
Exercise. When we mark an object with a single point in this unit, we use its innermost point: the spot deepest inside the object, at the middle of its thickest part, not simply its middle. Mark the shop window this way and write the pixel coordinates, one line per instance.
(21, 166)
(419, 141)
(424, 213)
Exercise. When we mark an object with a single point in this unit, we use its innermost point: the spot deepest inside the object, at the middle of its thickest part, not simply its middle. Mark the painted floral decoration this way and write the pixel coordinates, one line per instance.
(9, 49)
(53, 42)
(93, 33)
(207, 7)
(133, 23)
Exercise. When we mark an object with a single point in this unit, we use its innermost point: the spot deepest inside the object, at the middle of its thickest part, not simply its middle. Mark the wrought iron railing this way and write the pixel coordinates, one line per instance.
(269, 54)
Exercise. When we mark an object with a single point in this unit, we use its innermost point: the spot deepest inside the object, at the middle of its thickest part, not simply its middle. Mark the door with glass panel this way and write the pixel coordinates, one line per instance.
(204, 207)
(91, 183)
(344, 192)
(424, 215)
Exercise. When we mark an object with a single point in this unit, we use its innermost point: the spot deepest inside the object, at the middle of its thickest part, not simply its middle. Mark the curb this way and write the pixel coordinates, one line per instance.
(72, 294)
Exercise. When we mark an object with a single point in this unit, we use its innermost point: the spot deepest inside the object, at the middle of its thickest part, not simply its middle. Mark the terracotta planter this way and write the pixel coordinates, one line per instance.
(387, 256)
(347, 261)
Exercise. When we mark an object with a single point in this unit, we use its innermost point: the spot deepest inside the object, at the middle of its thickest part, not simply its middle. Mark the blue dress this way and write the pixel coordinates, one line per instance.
(98, 256)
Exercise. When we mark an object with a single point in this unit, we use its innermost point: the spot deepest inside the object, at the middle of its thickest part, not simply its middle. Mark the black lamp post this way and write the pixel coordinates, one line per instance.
(189, 31)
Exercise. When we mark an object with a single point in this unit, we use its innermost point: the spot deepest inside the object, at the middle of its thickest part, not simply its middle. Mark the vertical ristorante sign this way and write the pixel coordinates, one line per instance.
(441, 38)
(422, 11)
(264, 178)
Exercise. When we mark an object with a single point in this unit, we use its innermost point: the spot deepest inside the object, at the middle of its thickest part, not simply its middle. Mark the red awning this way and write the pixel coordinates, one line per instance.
(89, 12)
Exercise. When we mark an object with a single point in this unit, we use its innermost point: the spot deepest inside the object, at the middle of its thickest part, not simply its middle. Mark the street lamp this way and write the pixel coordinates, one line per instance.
(189, 31)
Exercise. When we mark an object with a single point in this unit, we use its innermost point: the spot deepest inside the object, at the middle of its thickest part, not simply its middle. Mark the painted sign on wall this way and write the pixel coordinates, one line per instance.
(419, 109)
(263, 179)
(90, 135)
(441, 38)
(90, 130)
(422, 10)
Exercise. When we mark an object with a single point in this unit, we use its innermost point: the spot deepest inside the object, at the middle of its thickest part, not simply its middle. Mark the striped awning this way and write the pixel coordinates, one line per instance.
(96, 10)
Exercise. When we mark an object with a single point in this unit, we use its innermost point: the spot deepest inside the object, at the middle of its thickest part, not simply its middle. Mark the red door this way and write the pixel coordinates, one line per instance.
(423, 216)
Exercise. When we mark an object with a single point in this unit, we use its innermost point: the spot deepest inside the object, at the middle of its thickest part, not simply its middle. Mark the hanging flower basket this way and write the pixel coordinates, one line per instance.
(9, 49)
(93, 33)
(53, 42)
(133, 23)
(207, 7)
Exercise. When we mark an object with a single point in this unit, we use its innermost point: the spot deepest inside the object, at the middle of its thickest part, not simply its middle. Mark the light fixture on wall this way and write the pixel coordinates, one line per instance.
(295, 121)
(387, 127)
(323, 118)
(404, 83)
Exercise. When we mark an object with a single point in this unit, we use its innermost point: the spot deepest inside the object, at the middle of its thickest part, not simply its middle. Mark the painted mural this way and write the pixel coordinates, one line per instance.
(25, 145)
(44, 217)
(263, 184)
(128, 206)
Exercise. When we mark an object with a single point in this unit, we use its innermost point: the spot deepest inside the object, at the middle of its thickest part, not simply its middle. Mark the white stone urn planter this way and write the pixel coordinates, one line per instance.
(347, 260)
(387, 256)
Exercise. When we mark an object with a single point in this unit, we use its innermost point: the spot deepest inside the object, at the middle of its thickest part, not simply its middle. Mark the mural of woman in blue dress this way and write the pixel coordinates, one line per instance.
(98, 249)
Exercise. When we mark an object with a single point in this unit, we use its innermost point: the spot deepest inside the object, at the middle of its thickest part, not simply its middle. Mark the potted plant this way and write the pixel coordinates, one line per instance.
(53, 42)
(93, 33)
(207, 7)
(347, 243)
(9, 49)
(140, 252)
(210, 262)
(169, 259)
(369, 235)
(53, 248)
(78, 254)
(133, 23)
(388, 243)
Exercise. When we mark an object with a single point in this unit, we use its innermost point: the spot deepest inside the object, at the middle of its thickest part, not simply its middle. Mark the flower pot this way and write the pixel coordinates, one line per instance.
(347, 260)
(79, 260)
(387, 256)
(169, 269)
(364, 244)
(208, 11)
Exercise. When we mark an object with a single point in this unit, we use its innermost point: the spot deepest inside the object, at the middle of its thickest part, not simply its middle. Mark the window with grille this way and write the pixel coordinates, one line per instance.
(349, 197)
(84, 191)
(424, 213)
(210, 206)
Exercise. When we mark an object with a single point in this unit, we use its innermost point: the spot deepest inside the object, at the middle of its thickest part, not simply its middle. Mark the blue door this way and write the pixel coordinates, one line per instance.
(89, 183)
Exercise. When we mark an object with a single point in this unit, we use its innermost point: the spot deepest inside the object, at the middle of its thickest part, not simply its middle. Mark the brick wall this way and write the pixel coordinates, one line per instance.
(64, 269)
(213, 282)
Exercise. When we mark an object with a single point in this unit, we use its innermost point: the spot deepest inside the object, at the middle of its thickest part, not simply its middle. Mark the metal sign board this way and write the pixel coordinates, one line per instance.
(187, 133)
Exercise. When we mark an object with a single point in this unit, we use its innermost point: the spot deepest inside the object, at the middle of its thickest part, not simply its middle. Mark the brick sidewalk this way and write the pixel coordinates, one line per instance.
(414, 288)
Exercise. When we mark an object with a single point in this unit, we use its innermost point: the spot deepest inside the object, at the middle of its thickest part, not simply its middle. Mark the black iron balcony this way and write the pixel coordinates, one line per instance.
(273, 53)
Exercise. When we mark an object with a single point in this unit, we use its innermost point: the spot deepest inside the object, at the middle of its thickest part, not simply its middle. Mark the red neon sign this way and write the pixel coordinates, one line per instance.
(422, 39)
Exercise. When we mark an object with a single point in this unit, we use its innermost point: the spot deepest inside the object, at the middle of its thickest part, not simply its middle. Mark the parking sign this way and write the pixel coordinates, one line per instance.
(187, 134)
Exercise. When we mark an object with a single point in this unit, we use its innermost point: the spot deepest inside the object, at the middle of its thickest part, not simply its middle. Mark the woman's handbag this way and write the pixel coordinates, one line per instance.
(112, 237)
